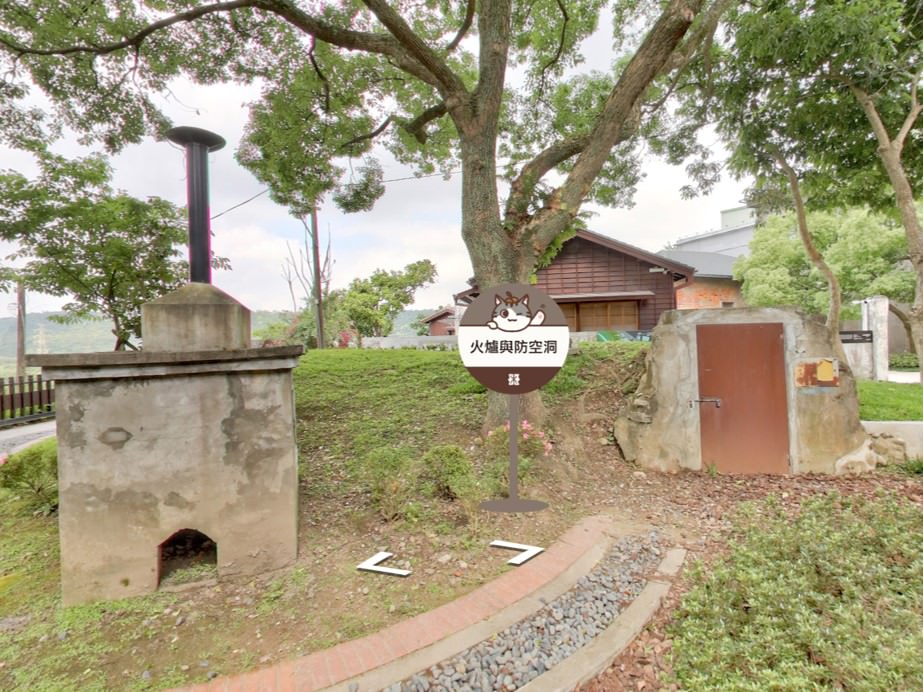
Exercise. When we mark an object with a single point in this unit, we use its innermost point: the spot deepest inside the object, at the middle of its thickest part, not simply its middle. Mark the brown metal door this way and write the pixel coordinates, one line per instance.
(743, 409)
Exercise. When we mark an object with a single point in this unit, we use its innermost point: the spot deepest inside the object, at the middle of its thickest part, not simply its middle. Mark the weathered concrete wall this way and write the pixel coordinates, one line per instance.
(661, 430)
(195, 317)
(861, 359)
(172, 441)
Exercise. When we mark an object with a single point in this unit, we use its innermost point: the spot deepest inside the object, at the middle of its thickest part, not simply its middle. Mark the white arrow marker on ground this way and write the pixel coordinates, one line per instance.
(529, 551)
(371, 565)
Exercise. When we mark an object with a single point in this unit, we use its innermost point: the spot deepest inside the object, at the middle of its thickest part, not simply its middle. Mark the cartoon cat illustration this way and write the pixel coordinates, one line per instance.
(512, 314)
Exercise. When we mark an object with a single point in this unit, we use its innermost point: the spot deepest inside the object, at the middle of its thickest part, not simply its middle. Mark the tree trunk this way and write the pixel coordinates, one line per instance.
(20, 329)
(903, 194)
(318, 297)
(495, 256)
(833, 313)
(905, 321)
(889, 152)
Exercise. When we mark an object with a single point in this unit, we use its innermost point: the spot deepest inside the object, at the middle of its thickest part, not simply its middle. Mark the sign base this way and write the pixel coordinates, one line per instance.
(513, 504)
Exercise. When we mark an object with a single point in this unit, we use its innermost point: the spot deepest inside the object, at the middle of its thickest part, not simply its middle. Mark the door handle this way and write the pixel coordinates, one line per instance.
(706, 400)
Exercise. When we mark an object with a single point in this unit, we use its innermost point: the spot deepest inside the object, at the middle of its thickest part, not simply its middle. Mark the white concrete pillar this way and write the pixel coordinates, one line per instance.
(876, 309)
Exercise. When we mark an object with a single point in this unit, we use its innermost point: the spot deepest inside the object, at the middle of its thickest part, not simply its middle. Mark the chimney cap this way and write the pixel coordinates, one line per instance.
(186, 134)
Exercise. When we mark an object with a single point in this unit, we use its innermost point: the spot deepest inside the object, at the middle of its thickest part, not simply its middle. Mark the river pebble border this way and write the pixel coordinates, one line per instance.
(522, 652)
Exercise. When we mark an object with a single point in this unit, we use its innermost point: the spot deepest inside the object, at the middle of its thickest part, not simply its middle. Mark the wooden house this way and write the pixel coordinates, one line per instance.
(441, 322)
(604, 284)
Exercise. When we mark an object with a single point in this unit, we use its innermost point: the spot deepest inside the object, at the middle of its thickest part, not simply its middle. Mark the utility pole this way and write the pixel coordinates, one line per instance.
(318, 293)
(20, 329)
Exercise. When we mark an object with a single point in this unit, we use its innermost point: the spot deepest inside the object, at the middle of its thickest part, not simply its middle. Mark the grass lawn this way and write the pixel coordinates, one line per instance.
(890, 401)
(828, 600)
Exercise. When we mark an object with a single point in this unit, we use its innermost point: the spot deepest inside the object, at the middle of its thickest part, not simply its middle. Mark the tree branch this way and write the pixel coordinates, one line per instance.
(135, 40)
(522, 186)
(494, 46)
(466, 25)
(371, 135)
(623, 102)
(557, 55)
(320, 75)
(448, 81)
(417, 126)
(915, 109)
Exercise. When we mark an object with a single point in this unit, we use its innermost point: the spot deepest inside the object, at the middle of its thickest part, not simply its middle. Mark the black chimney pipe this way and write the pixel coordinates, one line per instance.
(198, 143)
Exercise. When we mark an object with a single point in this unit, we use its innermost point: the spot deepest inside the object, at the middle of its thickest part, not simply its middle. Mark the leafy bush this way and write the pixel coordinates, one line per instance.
(33, 473)
(532, 444)
(829, 599)
(391, 475)
(904, 361)
(448, 470)
(913, 467)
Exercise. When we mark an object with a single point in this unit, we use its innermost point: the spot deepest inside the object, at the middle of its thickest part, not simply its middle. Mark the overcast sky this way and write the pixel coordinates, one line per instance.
(415, 219)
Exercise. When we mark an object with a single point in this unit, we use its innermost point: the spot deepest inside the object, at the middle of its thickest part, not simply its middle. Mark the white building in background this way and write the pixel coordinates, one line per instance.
(732, 239)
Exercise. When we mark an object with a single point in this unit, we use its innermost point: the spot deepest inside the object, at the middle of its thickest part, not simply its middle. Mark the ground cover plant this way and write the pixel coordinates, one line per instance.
(890, 401)
(829, 599)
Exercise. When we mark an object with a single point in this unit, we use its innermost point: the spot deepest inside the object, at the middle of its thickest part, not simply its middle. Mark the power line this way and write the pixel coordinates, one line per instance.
(391, 180)
(246, 201)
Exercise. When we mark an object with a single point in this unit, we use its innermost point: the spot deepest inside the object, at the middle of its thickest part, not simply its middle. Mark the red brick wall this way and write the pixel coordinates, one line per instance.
(709, 293)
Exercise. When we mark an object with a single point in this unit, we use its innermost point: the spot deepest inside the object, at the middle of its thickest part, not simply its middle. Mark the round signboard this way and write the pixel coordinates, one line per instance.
(513, 338)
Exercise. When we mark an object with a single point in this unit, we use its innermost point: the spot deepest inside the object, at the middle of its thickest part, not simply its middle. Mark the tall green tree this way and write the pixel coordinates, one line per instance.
(106, 250)
(429, 81)
(372, 304)
(824, 94)
(867, 252)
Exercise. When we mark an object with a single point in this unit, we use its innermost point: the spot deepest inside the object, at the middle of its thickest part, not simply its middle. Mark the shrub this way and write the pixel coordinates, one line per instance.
(532, 445)
(391, 475)
(33, 473)
(913, 467)
(448, 470)
(904, 361)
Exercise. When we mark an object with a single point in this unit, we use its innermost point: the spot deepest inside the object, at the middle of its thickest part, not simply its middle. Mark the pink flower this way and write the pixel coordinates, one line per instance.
(489, 433)
(3, 459)
(525, 436)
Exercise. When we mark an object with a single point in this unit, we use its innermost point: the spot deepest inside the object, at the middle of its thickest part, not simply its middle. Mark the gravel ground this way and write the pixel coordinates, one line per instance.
(524, 651)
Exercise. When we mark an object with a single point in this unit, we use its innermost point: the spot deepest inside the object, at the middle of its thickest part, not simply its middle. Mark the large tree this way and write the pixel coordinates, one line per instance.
(824, 95)
(867, 253)
(372, 304)
(428, 80)
(107, 251)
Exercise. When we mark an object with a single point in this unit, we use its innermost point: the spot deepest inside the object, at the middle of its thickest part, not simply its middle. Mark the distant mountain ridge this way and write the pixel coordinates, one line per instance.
(44, 335)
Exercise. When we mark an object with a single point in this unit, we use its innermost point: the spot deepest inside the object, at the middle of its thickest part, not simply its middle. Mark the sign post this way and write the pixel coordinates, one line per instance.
(513, 339)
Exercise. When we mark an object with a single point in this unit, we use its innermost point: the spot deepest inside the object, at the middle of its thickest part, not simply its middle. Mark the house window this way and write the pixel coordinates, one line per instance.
(451, 331)
(727, 303)
(594, 317)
